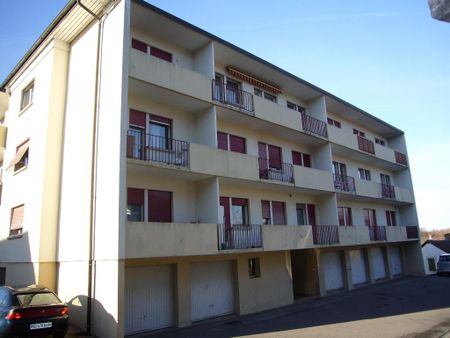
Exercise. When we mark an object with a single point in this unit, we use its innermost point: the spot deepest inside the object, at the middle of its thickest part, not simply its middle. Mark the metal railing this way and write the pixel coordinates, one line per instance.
(313, 125)
(365, 145)
(239, 236)
(377, 233)
(285, 173)
(149, 147)
(412, 232)
(325, 234)
(225, 94)
(400, 158)
(344, 183)
(387, 191)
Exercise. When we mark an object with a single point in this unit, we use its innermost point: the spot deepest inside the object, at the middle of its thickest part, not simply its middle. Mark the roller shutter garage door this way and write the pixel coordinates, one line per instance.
(149, 298)
(396, 260)
(379, 268)
(332, 267)
(358, 264)
(212, 289)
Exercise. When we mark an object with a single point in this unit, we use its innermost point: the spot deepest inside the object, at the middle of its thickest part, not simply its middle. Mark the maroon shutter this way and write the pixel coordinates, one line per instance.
(159, 206)
(307, 160)
(341, 216)
(278, 211)
(296, 158)
(222, 140)
(348, 216)
(225, 203)
(239, 201)
(137, 118)
(263, 162)
(393, 219)
(311, 209)
(388, 217)
(265, 206)
(135, 196)
(160, 119)
(367, 217)
(274, 156)
(237, 144)
(262, 150)
(374, 217)
(139, 45)
(159, 53)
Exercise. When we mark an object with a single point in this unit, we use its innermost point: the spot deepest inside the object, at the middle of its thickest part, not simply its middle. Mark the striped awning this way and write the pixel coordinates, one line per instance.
(254, 81)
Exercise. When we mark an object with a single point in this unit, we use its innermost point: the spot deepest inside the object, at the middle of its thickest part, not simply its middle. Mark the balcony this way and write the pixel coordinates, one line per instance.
(412, 232)
(353, 235)
(155, 148)
(325, 234)
(279, 172)
(311, 178)
(400, 158)
(314, 126)
(366, 145)
(230, 95)
(344, 183)
(387, 191)
(377, 233)
(239, 236)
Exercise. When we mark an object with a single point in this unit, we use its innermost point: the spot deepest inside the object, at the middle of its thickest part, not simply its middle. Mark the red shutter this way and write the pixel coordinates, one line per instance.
(161, 119)
(237, 144)
(278, 211)
(139, 45)
(135, 196)
(159, 53)
(222, 140)
(307, 160)
(225, 203)
(262, 150)
(265, 206)
(348, 216)
(159, 206)
(137, 118)
(311, 209)
(239, 201)
(341, 216)
(296, 158)
(274, 156)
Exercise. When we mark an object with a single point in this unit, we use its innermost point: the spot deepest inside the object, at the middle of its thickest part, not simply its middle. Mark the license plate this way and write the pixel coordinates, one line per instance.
(38, 326)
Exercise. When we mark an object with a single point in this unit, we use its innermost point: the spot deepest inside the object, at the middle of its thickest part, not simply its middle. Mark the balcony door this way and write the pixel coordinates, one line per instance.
(385, 179)
(339, 169)
(370, 218)
(233, 91)
(218, 88)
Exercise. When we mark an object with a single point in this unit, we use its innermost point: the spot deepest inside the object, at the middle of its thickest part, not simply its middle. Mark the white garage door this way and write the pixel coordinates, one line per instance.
(212, 291)
(149, 298)
(358, 264)
(332, 267)
(379, 269)
(396, 260)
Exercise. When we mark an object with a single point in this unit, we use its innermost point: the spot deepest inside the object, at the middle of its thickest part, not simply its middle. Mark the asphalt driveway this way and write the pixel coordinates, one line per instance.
(404, 307)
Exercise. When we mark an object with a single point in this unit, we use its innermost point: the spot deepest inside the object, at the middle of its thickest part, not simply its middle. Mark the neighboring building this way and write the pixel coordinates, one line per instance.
(156, 175)
(431, 250)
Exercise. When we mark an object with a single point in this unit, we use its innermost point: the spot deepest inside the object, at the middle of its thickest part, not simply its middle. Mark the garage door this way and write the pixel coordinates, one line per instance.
(149, 298)
(396, 260)
(212, 291)
(379, 269)
(332, 267)
(358, 264)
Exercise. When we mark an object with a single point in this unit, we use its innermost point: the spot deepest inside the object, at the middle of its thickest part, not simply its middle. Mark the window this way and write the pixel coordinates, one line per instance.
(239, 211)
(391, 218)
(364, 174)
(302, 159)
(294, 106)
(20, 160)
(345, 216)
(16, 225)
(136, 134)
(306, 214)
(370, 218)
(380, 142)
(266, 217)
(279, 213)
(139, 45)
(385, 179)
(358, 132)
(258, 92)
(135, 205)
(254, 270)
(159, 206)
(233, 92)
(160, 132)
(431, 264)
(236, 143)
(335, 123)
(27, 96)
(270, 97)
(222, 140)
(153, 51)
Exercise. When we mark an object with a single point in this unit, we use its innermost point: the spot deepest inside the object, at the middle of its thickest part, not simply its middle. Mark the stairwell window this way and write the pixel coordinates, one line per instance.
(16, 224)
(27, 96)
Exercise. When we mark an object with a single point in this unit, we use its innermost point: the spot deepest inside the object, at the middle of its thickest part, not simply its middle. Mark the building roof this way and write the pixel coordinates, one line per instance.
(444, 245)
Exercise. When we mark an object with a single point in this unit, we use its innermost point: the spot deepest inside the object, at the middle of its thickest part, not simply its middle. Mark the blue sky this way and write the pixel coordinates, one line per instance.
(387, 57)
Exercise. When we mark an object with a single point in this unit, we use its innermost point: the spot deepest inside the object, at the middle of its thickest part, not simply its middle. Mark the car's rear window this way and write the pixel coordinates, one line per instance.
(37, 299)
(444, 258)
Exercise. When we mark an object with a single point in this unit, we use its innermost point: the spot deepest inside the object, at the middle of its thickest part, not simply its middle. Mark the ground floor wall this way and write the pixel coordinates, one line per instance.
(28, 273)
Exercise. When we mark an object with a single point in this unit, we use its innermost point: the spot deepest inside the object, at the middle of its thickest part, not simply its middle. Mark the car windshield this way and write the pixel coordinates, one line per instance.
(444, 258)
(37, 299)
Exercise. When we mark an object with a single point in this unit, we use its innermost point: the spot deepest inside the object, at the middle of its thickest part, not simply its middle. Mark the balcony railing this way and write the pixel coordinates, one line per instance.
(325, 234)
(313, 125)
(344, 183)
(283, 172)
(226, 94)
(149, 147)
(365, 145)
(239, 236)
(412, 232)
(400, 158)
(387, 191)
(377, 233)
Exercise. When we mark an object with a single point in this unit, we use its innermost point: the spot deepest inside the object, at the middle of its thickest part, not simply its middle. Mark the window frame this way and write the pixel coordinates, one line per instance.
(334, 123)
(358, 132)
(391, 218)
(364, 174)
(18, 229)
(346, 216)
(29, 88)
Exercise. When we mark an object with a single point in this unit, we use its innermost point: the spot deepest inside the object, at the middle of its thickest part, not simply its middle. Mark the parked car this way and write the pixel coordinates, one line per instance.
(443, 264)
(32, 311)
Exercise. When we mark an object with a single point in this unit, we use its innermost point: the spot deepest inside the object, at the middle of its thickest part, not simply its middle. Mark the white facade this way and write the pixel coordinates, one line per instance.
(431, 252)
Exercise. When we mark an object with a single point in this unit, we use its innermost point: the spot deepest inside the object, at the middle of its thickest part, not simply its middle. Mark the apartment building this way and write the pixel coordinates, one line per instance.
(155, 175)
